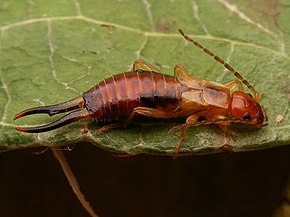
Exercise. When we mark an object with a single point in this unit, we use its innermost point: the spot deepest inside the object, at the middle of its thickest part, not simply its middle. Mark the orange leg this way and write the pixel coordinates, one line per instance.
(190, 120)
(232, 84)
(222, 123)
(224, 128)
(109, 127)
(149, 112)
(155, 113)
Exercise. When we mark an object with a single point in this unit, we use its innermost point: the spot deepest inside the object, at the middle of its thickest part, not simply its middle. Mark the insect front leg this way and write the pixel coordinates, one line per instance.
(192, 119)
(223, 123)
(226, 130)
(232, 84)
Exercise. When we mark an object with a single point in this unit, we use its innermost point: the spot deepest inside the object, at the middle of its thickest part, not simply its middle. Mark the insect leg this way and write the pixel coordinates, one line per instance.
(150, 112)
(109, 127)
(144, 66)
(225, 129)
(190, 121)
(232, 84)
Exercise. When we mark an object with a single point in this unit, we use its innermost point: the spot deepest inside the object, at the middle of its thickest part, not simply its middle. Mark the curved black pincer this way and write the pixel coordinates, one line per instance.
(75, 104)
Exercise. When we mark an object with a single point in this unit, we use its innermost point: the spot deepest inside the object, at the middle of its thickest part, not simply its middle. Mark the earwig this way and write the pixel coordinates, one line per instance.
(145, 91)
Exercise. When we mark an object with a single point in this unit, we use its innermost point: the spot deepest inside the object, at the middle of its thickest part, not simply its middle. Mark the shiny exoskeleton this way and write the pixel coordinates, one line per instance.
(145, 91)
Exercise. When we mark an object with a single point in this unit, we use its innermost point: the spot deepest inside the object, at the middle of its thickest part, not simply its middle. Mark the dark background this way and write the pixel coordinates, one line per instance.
(226, 184)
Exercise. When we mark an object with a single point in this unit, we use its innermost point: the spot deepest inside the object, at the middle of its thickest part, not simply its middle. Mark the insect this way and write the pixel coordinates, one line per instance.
(145, 91)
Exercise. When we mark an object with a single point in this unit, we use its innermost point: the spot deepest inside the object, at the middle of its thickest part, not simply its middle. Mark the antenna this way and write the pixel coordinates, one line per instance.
(221, 61)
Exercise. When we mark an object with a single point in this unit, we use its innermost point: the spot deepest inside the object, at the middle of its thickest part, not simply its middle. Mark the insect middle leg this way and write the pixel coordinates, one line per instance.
(156, 113)
(190, 121)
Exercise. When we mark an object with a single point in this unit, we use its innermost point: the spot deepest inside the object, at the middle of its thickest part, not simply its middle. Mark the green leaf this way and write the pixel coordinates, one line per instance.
(51, 53)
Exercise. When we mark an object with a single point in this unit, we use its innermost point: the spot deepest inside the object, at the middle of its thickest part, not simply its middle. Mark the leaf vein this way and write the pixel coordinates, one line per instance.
(4, 87)
(153, 34)
(234, 9)
(149, 13)
(197, 17)
(52, 65)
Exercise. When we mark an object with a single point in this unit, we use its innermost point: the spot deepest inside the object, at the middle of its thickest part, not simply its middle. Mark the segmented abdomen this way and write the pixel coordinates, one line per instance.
(117, 96)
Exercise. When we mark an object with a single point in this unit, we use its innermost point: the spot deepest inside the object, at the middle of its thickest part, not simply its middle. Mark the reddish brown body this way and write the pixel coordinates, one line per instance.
(117, 96)
(145, 91)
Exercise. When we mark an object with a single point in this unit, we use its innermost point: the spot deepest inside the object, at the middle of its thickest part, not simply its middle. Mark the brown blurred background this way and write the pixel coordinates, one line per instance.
(227, 184)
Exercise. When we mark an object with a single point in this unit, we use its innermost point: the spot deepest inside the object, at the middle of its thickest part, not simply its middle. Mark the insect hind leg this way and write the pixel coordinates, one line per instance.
(109, 127)
(149, 112)
(145, 111)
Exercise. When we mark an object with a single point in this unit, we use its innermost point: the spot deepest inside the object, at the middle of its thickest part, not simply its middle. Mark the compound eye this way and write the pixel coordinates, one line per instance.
(247, 116)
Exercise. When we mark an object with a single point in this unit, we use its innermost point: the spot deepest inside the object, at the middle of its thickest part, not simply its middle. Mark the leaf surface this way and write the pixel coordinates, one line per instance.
(50, 53)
